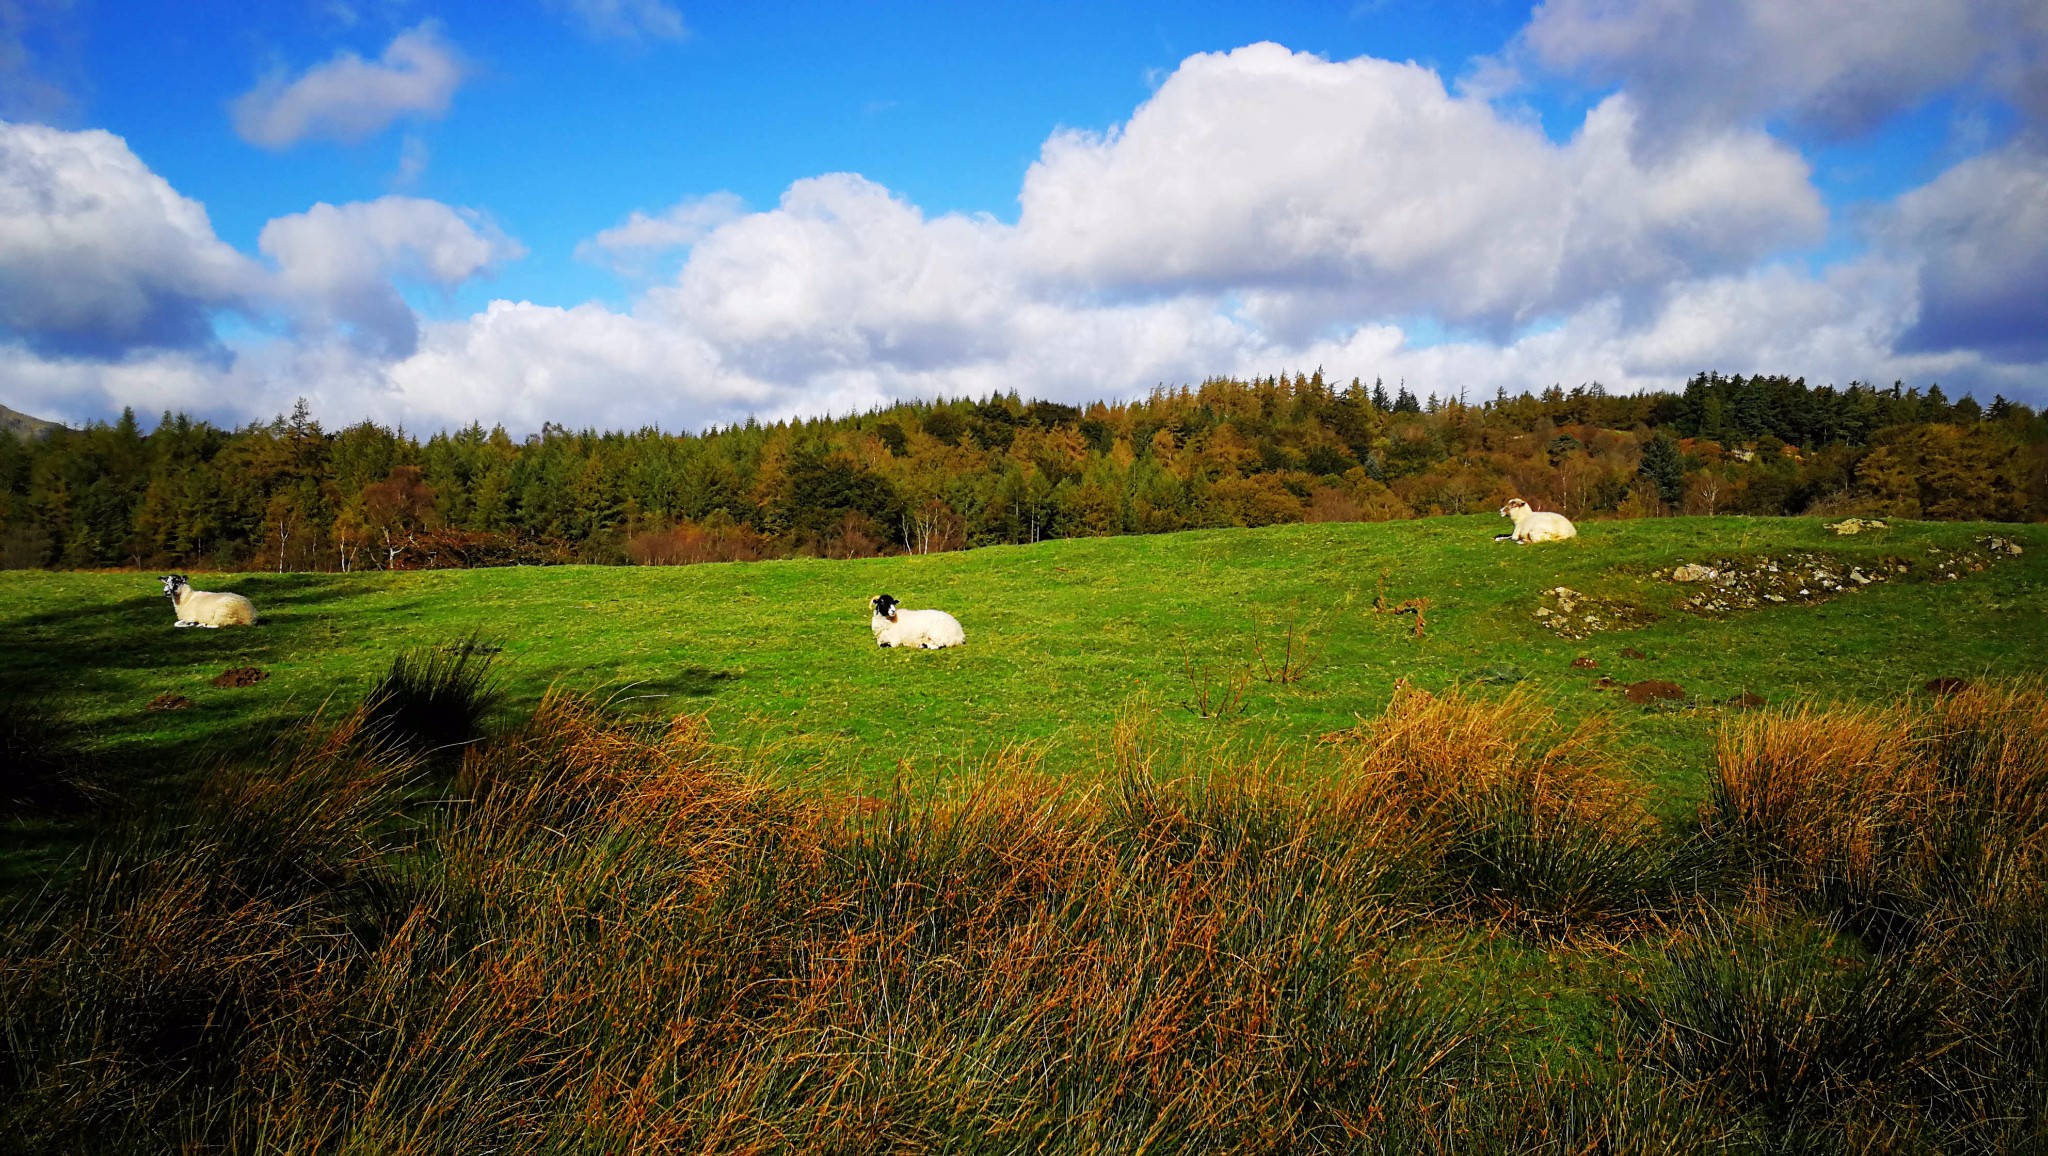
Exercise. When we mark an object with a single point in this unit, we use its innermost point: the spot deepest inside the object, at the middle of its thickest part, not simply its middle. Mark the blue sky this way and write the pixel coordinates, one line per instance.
(622, 211)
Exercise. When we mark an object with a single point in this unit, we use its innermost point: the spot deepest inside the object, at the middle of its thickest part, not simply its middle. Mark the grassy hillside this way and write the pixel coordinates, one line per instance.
(1338, 915)
(1063, 636)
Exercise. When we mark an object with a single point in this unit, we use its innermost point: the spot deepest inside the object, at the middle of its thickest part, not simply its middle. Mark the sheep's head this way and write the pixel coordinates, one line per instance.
(174, 583)
(1514, 505)
(885, 606)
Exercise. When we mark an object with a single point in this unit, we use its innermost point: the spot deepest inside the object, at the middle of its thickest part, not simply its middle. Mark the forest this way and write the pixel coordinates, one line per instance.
(923, 477)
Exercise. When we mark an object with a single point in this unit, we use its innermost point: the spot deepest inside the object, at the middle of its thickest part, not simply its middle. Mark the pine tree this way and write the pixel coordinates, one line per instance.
(1663, 468)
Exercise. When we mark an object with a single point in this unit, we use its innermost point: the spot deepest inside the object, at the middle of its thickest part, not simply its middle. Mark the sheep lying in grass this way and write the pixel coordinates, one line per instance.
(925, 629)
(206, 608)
(1535, 525)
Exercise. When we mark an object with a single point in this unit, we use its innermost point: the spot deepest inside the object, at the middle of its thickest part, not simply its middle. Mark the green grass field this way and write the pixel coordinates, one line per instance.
(1443, 931)
(1062, 637)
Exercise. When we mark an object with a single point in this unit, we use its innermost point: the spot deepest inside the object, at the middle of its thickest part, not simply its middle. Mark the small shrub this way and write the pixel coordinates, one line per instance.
(434, 698)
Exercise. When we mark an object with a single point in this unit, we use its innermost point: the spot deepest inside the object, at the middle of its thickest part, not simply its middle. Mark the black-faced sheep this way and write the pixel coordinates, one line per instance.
(925, 629)
(206, 608)
(1535, 525)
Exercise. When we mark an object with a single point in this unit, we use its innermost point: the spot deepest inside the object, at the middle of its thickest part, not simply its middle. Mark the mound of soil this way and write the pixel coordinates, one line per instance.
(1747, 700)
(240, 676)
(1586, 662)
(1946, 685)
(1632, 652)
(1652, 689)
(168, 701)
(1575, 615)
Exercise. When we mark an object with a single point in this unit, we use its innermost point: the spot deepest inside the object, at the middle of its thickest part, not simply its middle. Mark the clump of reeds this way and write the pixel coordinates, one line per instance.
(1498, 809)
(435, 697)
(1924, 832)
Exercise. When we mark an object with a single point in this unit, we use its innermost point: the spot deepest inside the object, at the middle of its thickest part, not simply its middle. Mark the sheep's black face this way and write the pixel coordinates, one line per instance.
(172, 582)
(885, 606)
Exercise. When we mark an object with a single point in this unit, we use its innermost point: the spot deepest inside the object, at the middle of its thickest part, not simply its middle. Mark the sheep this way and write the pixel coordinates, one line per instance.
(205, 608)
(925, 629)
(1534, 525)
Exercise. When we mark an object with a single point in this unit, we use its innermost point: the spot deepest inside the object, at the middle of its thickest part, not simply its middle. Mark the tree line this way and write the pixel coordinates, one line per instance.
(921, 477)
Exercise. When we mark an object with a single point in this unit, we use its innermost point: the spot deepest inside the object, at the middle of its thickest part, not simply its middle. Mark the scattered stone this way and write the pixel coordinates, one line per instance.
(1946, 685)
(1651, 689)
(1856, 525)
(235, 676)
(1802, 577)
(169, 701)
(1576, 615)
(1747, 700)
(1998, 545)
(1694, 572)
(1586, 662)
(1632, 652)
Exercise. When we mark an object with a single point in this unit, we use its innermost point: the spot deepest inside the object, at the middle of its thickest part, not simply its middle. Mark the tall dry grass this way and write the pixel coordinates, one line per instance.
(609, 940)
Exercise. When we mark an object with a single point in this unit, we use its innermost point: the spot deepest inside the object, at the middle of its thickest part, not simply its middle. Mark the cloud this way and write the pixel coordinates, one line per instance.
(1839, 67)
(628, 246)
(1190, 241)
(1979, 237)
(623, 19)
(1388, 195)
(337, 265)
(99, 255)
(348, 98)
(37, 45)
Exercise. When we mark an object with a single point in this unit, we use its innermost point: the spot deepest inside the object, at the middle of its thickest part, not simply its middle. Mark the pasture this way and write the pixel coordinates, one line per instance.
(1202, 842)
(1063, 638)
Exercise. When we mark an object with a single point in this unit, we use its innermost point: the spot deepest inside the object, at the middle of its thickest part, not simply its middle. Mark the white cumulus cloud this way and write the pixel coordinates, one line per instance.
(338, 265)
(99, 255)
(348, 98)
(630, 244)
(1387, 194)
(1979, 236)
(1839, 66)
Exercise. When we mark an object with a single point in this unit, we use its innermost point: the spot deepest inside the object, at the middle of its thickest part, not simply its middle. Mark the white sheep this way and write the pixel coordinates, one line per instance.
(925, 629)
(1535, 525)
(206, 608)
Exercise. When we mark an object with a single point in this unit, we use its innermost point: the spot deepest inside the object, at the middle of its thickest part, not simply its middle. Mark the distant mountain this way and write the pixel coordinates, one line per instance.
(22, 425)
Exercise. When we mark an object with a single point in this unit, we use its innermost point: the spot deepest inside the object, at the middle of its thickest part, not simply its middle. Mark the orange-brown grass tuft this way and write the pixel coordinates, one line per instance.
(1496, 808)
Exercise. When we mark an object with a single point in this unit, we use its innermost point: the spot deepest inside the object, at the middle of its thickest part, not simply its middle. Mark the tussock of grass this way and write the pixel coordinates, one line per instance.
(1513, 816)
(435, 697)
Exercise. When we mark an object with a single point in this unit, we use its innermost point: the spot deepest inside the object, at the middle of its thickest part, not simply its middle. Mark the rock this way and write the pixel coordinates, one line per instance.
(1775, 597)
(168, 701)
(1856, 525)
(1604, 683)
(240, 676)
(1694, 572)
(1652, 689)
(1998, 545)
